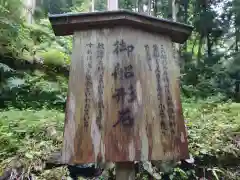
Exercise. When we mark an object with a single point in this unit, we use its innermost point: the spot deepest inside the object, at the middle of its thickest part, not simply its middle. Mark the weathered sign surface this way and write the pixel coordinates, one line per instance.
(123, 100)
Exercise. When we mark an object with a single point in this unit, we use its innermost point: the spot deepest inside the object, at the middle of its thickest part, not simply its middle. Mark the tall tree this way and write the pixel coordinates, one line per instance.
(234, 65)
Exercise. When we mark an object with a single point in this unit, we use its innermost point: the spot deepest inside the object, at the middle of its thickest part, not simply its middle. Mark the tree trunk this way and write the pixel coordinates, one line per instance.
(149, 7)
(237, 39)
(29, 8)
(172, 14)
(175, 9)
(200, 49)
(155, 9)
(112, 5)
(186, 5)
(170, 9)
(140, 6)
(237, 82)
(93, 5)
(209, 45)
(237, 91)
(194, 44)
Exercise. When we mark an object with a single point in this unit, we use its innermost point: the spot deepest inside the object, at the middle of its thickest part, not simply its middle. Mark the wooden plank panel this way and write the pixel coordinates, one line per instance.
(123, 100)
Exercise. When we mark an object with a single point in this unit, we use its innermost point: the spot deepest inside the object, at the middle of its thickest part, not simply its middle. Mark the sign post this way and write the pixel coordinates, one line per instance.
(112, 5)
(123, 99)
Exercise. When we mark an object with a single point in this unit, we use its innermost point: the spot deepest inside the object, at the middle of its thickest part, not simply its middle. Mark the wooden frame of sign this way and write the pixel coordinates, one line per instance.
(123, 99)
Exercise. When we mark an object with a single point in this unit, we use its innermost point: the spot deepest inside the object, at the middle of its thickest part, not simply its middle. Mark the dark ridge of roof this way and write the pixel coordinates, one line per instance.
(66, 24)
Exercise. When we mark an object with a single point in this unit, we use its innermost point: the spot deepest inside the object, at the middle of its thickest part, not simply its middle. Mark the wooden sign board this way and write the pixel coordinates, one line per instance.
(123, 98)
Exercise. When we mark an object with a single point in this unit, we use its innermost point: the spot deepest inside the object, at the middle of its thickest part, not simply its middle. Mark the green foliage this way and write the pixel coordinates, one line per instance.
(14, 36)
(101, 5)
(53, 6)
(212, 128)
(35, 91)
(17, 127)
(54, 57)
(27, 137)
(25, 41)
(81, 6)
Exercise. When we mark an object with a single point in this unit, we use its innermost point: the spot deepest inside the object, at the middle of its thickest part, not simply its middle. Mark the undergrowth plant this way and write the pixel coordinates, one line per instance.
(29, 136)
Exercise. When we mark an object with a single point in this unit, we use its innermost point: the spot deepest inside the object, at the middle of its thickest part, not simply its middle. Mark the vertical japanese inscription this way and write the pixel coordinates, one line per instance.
(126, 73)
(122, 46)
(161, 106)
(125, 117)
(171, 112)
(125, 114)
(88, 85)
(120, 94)
(148, 56)
(100, 69)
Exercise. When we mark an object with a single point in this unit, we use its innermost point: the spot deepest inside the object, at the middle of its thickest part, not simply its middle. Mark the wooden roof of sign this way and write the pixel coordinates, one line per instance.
(124, 98)
(67, 24)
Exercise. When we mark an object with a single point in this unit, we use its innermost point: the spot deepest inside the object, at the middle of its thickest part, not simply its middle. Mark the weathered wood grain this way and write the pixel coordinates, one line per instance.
(152, 128)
